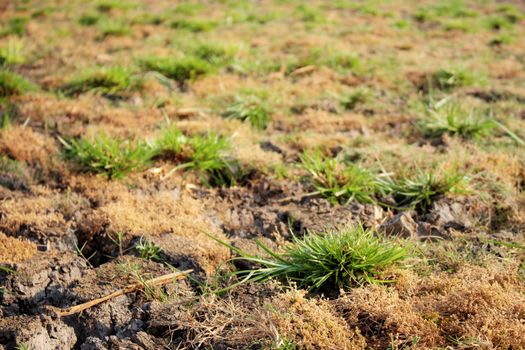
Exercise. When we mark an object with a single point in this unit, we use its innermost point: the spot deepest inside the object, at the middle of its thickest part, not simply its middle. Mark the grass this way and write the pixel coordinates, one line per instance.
(350, 100)
(451, 119)
(340, 61)
(12, 52)
(148, 250)
(420, 191)
(179, 69)
(107, 81)
(15, 26)
(193, 25)
(112, 27)
(340, 183)
(336, 259)
(249, 108)
(206, 154)
(310, 14)
(449, 9)
(89, 19)
(106, 155)
(214, 53)
(450, 79)
(5, 118)
(14, 84)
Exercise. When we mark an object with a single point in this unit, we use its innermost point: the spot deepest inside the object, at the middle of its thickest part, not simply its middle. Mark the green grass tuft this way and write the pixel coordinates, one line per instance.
(107, 155)
(193, 25)
(14, 84)
(213, 53)
(112, 27)
(12, 52)
(178, 69)
(451, 119)
(420, 191)
(449, 79)
(343, 259)
(108, 81)
(148, 250)
(206, 154)
(14, 26)
(350, 100)
(340, 183)
(89, 19)
(249, 108)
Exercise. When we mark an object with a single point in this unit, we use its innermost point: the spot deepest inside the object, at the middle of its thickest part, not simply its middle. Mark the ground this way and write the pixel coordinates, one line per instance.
(144, 137)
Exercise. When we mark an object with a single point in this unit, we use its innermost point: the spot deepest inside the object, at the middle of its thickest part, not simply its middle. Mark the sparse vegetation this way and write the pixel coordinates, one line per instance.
(351, 100)
(107, 81)
(450, 118)
(107, 155)
(14, 26)
(178, 69)
(148, 250)
(12, 53)
(449, 79)
(112, 27)
(207, 154)
(340, 183)
(193, 25)
(89, 19)
(249, 108)
(334, 259)
(421, 190)
(14, 84)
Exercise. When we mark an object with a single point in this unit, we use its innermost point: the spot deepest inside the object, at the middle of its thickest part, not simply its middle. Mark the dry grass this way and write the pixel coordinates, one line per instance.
(13, 250)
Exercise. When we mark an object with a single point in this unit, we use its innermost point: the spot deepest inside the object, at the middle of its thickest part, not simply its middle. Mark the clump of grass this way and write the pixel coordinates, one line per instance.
(107, 155)
(506, 17)
(110, 27)
(193, 25)
(148, 250)
(89, 19)
(214, 53)
(325, 56)
(420, 191)
(178, 69)
(336, 259)
(350, 100)
(340, 183)
(206, 154)
(451, 119)
(149, 18)
(14, 84)
(310, 14)
(448, 9)
(15, 26)
(341, 61)
(249, 108)
(449, 79)
(108, 81)
(109, 5)
(186, 8)
(12, 52)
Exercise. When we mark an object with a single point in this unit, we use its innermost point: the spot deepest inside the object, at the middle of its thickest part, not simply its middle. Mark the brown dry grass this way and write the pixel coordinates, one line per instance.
(13, 250)
(482, 305)
(312, 323)
(34, 215)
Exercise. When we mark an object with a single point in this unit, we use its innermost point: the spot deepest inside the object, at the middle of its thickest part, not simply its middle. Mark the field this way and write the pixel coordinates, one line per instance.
(317, 174)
